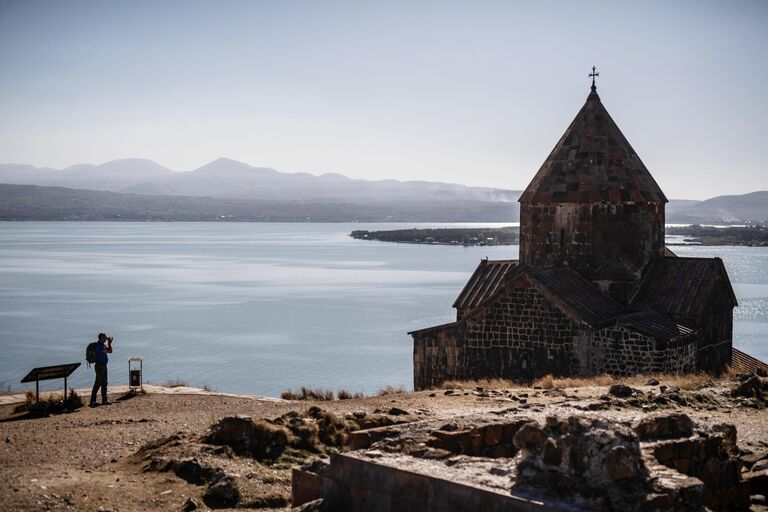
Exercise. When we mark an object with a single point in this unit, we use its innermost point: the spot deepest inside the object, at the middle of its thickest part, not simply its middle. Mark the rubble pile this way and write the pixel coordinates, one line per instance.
(216, 459)
(317, 431)
(660, 462)
(596, 459)
(752, 386)
(710, 455)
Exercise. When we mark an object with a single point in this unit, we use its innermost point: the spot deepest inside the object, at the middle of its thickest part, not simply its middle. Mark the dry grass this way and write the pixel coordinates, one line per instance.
(482, 383)
(53, 402)
(305, 393)
(552, 382)
(29, 400)
(74, 399)
(343, 394)
(681, 380)
(687, 381)
(29, 397)
(390, 390)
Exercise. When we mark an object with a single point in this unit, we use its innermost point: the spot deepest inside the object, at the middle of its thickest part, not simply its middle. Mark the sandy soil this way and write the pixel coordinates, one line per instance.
(85, 460)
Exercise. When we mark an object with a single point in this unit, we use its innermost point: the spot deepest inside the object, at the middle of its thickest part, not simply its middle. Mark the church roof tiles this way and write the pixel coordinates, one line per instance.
(485, 281)
(593, 162)
(655, 324)
(682, 287)
(576, 295)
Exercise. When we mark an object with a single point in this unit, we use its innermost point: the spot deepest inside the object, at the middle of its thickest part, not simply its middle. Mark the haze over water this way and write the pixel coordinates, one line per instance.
(255, 307)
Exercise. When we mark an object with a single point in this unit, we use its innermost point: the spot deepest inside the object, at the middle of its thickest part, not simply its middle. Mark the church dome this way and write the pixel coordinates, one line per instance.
(592, 163)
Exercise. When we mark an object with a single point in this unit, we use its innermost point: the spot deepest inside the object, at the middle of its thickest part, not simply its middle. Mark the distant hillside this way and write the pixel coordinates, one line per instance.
(31, 202)
(114, 175)
(752, 207)
(234, 186)
(237, 180)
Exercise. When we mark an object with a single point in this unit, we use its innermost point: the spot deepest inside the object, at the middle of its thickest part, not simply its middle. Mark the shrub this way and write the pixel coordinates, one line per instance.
(74, 401)
(52, 404)
(305, 393)
(271, 440)
(333, 430)
(390, 390)
(29, 401)
(546, 382)
(316, 393)
(346, 395)
(306, 435)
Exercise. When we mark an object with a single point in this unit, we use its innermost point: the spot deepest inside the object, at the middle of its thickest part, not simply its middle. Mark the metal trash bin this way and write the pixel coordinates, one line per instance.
(135, 373)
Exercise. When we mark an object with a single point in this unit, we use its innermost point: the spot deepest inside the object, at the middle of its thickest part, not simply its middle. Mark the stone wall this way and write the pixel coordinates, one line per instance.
(520, 336)
(527, 335)
(353, 484)
(618, 350)
(715, 341)
(438, 356)
(590, 235)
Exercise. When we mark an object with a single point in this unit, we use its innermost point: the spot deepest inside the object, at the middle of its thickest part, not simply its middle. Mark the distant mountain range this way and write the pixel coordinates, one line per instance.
(137, 189)
(237, 180)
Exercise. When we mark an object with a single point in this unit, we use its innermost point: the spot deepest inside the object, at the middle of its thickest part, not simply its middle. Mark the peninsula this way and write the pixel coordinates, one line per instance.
(443, 236)
(752, 236)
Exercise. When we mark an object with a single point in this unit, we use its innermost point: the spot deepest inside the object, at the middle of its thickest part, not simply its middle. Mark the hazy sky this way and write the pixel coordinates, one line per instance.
(473, 92)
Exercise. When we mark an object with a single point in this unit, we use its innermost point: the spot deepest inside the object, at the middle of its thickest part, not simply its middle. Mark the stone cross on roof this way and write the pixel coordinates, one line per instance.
(593, 75)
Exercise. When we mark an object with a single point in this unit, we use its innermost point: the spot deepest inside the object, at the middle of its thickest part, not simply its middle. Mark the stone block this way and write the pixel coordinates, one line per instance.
(685, 449)
(758, 482)
(305, 486)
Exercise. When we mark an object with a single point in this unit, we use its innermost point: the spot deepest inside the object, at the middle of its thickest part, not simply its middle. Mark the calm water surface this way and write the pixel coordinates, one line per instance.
(253, 307)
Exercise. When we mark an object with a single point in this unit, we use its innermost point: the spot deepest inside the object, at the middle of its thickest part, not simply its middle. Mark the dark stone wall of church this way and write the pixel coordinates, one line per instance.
(438, 356)
(620, 351)
(716, 338)
(522, 336)
(590, 235)
(714, 331)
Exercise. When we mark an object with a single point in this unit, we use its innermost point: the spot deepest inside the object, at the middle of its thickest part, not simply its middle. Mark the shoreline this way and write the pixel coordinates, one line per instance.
(14, 398)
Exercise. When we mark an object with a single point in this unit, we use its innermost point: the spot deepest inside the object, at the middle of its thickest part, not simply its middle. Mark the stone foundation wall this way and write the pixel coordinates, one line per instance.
(711, 459)
(353, 485)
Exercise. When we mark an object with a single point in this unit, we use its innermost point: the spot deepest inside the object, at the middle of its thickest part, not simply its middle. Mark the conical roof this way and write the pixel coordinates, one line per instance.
(593, 162)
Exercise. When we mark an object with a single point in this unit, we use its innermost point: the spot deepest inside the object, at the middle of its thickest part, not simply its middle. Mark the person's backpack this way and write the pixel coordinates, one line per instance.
(90, 353)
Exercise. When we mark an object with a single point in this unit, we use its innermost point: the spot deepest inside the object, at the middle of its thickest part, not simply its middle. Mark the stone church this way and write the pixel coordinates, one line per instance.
(594, 290)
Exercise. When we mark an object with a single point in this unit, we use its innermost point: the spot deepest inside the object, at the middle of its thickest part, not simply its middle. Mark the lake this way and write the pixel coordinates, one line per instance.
(255, 307)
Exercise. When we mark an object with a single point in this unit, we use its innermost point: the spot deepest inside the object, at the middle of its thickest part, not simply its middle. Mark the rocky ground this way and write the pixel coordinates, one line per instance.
(159, 451)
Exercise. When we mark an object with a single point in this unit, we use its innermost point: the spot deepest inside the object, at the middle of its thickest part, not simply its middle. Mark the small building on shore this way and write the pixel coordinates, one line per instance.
(594, 290)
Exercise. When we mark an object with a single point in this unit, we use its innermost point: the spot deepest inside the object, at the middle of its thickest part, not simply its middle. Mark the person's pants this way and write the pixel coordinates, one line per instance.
(101, 382)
